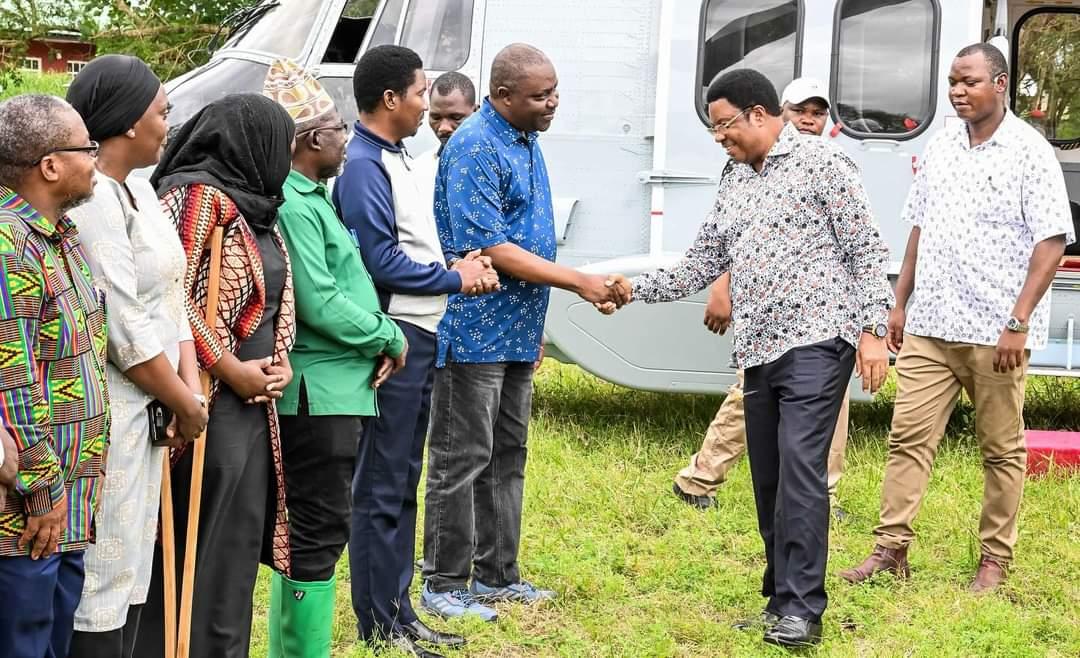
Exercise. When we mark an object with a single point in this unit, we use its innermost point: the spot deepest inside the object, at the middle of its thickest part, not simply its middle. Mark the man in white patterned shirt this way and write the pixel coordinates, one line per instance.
(792, 223)
(991, 220)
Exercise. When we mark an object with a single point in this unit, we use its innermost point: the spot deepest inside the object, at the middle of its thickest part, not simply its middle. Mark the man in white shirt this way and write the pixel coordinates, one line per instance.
(991, 221)
(452, 99)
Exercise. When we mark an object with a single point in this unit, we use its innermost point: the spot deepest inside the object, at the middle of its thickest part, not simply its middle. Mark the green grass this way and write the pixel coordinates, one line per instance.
(15, 83)
(641, 574)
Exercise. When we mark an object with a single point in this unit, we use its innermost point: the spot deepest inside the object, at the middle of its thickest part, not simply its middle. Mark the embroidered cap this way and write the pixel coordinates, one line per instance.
(302, 96)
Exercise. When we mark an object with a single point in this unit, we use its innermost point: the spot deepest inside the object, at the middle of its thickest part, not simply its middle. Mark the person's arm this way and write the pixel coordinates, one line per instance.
(365, 201)
(133, 344)
(718, 308)
(860, 241)
(474, 220)
(26, 411)
(704, 262)
(321, 303)
(1045, 207)
(905, 285)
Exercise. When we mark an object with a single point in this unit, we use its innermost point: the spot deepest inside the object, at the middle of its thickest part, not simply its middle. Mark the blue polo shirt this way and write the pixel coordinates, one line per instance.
(492, 187)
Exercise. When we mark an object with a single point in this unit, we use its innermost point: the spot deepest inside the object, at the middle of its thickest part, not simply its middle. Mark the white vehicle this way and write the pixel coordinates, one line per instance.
(632, 167)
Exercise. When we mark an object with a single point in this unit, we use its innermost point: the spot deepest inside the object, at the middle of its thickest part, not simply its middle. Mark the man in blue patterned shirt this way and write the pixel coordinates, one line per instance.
(492, 193)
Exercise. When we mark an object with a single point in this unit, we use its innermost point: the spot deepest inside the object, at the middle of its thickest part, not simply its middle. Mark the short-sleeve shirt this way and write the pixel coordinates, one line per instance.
(981, 210)
(493, 188)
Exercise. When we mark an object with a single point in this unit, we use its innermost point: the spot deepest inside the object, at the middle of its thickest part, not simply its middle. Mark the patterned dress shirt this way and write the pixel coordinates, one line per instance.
(980, 213)
(493, 188)
(806, 259)
(53, 391)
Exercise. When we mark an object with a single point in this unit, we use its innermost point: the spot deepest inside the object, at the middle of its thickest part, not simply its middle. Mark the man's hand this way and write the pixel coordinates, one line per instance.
(477, 275)
(895, 336)
(540, 358)
(871, 362)
(45, 531)
(1009, 353)
(388, 365)
(718, 309)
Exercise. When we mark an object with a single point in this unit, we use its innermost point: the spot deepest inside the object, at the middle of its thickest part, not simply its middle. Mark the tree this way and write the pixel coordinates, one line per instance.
(170, 35)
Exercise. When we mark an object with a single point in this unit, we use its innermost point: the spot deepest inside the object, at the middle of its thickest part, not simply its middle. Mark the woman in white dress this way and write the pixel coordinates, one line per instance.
(136, 258)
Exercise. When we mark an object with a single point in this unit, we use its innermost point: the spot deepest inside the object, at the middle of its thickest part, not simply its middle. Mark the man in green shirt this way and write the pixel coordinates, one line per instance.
(345, 347)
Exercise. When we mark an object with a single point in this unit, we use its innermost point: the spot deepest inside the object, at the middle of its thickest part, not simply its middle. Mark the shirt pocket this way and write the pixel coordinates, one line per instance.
(997, 199)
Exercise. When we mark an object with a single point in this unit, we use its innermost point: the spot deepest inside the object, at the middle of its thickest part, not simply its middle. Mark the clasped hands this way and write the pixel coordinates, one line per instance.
(607, 292)
(478, 277)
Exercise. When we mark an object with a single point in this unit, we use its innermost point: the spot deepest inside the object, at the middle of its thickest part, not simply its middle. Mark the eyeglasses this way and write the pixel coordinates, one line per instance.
(341, 127)
(91, 150)
(721, 127)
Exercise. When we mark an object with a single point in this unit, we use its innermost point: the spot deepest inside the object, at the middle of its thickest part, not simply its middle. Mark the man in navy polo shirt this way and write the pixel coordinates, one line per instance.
(492, 193)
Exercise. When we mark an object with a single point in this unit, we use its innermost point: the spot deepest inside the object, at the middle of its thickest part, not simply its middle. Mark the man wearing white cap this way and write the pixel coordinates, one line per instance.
(805, 103)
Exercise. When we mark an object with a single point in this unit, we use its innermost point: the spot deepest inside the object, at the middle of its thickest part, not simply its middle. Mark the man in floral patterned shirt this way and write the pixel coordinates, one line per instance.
(810, 295)
(991, 219)
(53, 395)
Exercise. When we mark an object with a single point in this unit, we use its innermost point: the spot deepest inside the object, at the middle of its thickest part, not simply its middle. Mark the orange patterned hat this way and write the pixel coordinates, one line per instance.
(302, 96)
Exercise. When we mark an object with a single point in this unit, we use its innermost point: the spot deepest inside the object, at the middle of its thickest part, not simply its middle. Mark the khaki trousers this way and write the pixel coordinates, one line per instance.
(930, 374)
(725, 442)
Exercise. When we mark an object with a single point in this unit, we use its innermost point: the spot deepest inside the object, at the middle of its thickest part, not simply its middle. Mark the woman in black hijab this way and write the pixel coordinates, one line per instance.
(139, 263)
(226, 168)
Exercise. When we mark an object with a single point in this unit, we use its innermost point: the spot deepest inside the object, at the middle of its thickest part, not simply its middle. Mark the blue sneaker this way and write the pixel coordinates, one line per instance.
(457, 603)
(520, 592)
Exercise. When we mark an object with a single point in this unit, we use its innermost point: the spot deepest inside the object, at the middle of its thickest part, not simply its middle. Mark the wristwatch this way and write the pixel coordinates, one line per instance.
(1016, 326)
(879, 330)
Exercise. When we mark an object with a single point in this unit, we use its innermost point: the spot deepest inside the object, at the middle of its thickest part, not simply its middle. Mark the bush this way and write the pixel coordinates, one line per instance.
(14, 83)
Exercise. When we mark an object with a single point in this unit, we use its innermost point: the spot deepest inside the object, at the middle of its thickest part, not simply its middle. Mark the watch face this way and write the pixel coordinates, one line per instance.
(881, 331)
(1013, 324)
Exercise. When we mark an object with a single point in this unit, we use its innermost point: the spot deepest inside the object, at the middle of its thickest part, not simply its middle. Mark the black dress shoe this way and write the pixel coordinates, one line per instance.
(764, 621)
(700, 502)
(794, 632)
(406, 644)
(418, 630)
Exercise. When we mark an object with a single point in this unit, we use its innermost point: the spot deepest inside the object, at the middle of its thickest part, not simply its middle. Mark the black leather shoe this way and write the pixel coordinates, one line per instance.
(406, 644)
(764, 621)
(700, 502)
(794, 632)
(418, 630)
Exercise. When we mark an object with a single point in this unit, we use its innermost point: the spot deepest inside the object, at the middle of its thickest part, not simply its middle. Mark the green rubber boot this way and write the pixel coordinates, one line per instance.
(301, 618)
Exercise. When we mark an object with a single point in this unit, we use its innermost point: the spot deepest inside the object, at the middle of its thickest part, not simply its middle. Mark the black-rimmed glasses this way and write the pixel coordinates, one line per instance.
(91, 149)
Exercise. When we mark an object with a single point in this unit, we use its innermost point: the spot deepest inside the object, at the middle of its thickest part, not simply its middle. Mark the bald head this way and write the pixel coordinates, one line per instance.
(31, 126)
(512, 65)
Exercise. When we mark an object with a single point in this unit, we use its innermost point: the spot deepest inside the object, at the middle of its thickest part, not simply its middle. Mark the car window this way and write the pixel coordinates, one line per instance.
(1047, 73)
(884, 61)
(440, 31)
(758, 34)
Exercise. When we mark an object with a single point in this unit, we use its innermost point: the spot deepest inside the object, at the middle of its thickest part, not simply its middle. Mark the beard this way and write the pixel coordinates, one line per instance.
(74, 201)
(331, 171)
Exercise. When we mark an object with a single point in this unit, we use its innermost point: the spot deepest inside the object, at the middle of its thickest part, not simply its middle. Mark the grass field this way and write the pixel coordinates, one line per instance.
(639, 573)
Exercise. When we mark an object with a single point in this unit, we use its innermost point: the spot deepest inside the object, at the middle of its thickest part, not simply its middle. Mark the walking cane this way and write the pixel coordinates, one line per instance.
(187, 590)
(168, 556)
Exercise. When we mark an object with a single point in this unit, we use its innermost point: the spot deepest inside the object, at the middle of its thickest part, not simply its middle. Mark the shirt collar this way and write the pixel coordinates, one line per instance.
(361, 131)
(506, 132)
(1005, 134)
(301, 183)
(785, 142)
(12, 202)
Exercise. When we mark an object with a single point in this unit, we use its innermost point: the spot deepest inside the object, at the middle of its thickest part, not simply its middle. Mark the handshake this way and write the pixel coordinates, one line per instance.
(478, 277)
(607, 292)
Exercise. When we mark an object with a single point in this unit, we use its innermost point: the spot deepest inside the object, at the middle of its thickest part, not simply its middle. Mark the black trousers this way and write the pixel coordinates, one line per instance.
(118, 643)
(235, 523)
(382, 543)
(791, 408)
(319, 459)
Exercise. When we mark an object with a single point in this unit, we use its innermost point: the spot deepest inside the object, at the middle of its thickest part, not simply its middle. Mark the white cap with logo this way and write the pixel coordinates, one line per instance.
(802, 89)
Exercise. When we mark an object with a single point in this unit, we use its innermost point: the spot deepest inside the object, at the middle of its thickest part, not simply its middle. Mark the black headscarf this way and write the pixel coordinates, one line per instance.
(112, 93)
(238, 144)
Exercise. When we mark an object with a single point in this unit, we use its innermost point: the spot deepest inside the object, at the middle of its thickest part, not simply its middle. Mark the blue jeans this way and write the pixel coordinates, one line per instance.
(388, 464)
(37, 616)
(476, 474)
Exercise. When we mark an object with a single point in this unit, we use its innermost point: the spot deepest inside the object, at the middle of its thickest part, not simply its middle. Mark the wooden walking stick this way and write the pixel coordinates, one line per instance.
(168, 556)
(198, 458)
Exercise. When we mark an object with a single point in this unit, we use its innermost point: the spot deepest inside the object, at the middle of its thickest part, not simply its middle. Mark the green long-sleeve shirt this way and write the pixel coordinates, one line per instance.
(340, 329)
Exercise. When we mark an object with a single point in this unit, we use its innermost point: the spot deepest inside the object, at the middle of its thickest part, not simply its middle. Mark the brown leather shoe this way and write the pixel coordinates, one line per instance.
(892, 560)
(990, 575)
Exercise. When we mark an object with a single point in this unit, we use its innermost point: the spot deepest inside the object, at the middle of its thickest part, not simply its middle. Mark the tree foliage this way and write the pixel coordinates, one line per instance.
(170, 35)
(1048, 74)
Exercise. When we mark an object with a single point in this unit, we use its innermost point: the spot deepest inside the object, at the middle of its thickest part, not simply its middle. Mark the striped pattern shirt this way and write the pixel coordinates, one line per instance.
(53, 392)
